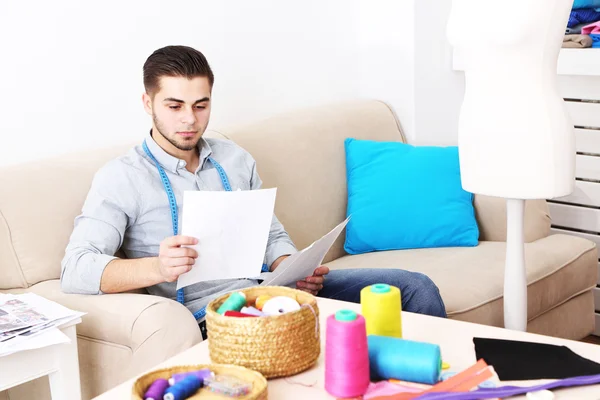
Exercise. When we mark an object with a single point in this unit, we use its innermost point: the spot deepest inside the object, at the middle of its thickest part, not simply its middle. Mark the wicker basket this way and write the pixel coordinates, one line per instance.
(259, 383)
(275, 346)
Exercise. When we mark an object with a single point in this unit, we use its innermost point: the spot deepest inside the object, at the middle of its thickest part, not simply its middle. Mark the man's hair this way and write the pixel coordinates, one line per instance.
(176, 61)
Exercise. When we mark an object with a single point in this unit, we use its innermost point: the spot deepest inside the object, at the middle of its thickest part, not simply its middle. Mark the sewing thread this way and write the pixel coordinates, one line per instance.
(183, 389)
(156, 390)
(200, 374)
(234, 302)
(261, 300)
(406, 360)
(382, 309)
(346, 355)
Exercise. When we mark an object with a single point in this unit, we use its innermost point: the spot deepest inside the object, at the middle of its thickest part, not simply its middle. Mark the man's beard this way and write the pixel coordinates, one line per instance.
(186, 146)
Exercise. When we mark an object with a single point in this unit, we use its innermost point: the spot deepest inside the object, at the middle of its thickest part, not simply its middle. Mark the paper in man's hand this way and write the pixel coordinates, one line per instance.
(302, 264)
(232, 229)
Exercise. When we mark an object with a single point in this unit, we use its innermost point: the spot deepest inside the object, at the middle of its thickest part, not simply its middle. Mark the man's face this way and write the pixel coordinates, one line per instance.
(180, 110)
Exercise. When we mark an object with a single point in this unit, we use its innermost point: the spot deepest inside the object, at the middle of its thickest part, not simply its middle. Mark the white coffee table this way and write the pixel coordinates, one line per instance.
(60, 362)
(454, 337)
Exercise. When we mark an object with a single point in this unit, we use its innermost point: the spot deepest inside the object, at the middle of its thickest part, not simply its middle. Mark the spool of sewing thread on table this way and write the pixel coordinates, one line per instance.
(382, 309)
(234, 302)
(395, 358)
(156, 390)
(184, 388)
(201, 374)
(346, 355)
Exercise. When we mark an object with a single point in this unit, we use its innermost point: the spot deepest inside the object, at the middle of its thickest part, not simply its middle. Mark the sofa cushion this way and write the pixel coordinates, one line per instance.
(406, 197)
(471, 279)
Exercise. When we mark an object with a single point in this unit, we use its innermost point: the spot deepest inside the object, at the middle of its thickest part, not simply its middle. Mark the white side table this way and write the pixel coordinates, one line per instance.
(60, 362)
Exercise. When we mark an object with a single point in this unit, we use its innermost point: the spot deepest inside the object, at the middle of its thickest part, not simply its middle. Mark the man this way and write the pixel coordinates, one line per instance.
(128, 206)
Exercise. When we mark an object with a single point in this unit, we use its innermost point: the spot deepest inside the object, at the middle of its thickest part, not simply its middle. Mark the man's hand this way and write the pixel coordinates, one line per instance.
(174, 260)
(314, 283)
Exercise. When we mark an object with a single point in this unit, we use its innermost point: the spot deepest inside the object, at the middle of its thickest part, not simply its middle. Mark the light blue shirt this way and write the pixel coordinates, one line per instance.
(127, 208)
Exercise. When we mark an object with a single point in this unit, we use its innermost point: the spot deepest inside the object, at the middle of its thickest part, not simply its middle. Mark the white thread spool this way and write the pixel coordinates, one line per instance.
(280, 305)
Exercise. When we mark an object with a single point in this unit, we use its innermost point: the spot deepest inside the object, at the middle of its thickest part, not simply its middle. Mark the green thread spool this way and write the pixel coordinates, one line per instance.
(234, 302)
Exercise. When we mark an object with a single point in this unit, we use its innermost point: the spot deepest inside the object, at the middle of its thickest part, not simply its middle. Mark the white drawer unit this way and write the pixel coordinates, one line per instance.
(579, 213)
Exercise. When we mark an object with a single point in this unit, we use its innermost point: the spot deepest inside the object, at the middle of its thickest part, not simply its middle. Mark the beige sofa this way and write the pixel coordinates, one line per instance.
(302, 154)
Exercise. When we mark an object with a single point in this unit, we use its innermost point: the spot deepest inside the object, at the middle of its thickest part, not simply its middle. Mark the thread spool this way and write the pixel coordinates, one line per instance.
(280, 305)
(346, 355)
(234, 302)
(252, 311)
(183, 389)
(201, 374)
(238, 314)
(261, 300)
(382, 308)
(406, 360)
(156, 390)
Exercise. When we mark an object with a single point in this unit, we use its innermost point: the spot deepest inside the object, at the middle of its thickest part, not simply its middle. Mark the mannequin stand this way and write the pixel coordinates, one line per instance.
(515, 280)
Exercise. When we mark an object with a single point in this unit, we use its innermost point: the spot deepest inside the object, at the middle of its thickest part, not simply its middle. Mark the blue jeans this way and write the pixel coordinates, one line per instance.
(419, 294)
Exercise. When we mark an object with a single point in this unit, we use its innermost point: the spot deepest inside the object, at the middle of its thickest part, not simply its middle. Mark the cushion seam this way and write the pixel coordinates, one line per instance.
(561, 303)
(104, 342)
(14, 252)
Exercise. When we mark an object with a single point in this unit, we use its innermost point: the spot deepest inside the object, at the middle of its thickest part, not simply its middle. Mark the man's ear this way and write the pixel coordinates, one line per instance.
(147, 100)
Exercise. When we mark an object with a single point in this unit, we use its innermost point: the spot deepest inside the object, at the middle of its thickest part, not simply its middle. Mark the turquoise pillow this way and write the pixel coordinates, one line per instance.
(406, 197)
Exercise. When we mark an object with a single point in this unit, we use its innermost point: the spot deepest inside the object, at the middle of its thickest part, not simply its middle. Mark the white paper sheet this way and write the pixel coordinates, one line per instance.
(232, 229)
(302, 264)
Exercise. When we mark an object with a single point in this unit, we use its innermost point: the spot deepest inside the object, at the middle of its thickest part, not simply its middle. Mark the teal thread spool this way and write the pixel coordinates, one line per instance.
(405, 360)
(234, 302)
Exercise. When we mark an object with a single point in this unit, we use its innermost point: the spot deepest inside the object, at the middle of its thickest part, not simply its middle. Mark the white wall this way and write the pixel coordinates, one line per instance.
(71, 70)
(439, 90)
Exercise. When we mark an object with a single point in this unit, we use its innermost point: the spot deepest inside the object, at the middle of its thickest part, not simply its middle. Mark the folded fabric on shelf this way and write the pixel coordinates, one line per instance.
(591, 28)
(595, 40)
(583, 15)
(576, 29)
(586, 4)
(577, 41)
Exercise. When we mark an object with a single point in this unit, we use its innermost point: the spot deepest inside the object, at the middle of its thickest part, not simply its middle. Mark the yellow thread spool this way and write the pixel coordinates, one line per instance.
(261, 300)
(382, 307)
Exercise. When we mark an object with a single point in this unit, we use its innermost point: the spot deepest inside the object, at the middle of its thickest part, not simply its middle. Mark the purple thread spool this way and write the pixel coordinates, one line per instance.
(200, 374)
(156, 390)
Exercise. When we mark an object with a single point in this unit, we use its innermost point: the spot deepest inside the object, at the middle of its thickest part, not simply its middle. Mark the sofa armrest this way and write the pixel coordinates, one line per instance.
(127, 319)
(491, 218)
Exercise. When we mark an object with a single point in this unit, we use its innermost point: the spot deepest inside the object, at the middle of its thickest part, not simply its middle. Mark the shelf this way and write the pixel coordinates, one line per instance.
(570, 62)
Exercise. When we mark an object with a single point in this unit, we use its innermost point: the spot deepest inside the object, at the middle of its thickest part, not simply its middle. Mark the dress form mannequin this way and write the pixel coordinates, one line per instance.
(515, 138)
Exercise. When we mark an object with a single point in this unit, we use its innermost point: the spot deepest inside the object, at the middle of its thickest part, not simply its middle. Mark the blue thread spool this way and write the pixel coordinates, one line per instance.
(405, 360)
(183, 389)
(200, 374)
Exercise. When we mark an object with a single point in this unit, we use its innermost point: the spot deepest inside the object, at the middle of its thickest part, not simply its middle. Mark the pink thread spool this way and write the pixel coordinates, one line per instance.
(346, 355)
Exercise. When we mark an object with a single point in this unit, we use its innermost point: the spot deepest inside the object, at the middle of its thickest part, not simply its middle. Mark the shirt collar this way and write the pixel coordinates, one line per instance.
(171, 163)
